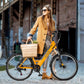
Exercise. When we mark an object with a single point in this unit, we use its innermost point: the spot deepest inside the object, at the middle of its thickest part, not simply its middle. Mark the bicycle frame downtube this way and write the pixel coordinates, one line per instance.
(52, 46)
(24, 67)
(22, 62)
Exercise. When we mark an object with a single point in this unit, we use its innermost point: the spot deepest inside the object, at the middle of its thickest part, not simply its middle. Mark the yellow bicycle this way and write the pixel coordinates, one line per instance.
(63, 66)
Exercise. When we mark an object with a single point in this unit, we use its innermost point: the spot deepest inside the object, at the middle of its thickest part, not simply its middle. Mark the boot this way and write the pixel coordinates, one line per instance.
(45, 76)
(52, 77)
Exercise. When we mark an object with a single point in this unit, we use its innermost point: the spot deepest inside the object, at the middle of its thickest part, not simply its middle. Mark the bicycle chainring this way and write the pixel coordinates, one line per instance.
(36, 68)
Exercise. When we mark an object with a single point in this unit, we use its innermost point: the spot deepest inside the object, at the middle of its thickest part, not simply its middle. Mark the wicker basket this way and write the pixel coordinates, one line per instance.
(29, 50)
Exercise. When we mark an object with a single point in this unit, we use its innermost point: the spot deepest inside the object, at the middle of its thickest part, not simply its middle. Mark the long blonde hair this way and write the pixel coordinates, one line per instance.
(49, 15)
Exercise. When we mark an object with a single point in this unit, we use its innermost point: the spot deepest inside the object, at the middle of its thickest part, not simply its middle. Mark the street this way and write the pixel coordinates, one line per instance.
(35, 79)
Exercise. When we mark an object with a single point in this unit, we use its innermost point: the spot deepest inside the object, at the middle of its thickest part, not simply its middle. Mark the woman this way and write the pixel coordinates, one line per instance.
(46, 25)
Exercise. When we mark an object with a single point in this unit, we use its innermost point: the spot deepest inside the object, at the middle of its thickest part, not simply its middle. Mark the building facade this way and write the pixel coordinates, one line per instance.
(18, 16)
(80, 51)
(66, 14)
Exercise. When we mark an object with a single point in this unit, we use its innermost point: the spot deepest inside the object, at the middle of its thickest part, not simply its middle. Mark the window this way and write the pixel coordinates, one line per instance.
(10, 0)
(1, 2)
(6, 1)
(38, 11)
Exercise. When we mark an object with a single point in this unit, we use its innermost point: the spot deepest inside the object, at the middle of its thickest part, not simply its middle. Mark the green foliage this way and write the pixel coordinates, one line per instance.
(2, 68)
(35, 41)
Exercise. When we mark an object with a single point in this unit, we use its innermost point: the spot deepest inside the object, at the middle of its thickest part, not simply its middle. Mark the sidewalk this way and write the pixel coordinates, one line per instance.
(2, 61)
(35, 79)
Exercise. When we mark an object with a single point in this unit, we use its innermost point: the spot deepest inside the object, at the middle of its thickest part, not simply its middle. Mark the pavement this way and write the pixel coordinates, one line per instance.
(35, 79)
(3, 61)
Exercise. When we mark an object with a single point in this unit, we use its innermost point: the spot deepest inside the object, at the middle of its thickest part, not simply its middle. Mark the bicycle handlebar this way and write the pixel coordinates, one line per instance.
(58, 34)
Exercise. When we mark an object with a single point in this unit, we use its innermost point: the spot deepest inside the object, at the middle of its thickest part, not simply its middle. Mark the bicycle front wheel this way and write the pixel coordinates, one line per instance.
(64, 67)
(13, 70)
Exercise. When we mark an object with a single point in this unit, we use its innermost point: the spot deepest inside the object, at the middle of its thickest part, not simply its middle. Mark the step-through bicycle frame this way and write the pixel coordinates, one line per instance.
(41, 61)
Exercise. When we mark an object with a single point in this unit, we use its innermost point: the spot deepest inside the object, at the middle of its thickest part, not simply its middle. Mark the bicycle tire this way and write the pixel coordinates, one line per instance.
(10, 71)
(55, 74)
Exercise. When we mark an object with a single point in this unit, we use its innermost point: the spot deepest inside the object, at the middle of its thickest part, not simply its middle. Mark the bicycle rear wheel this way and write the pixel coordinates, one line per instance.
(13, 70)
(64, 67)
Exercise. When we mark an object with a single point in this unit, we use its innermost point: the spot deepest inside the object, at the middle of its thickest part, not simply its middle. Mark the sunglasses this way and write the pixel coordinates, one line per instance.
(44, 9)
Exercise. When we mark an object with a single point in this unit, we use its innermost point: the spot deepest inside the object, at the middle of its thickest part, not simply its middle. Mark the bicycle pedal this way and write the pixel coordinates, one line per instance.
(40, 75)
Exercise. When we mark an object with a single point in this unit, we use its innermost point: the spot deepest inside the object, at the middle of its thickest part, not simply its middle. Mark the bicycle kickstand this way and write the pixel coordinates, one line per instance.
(39, 74)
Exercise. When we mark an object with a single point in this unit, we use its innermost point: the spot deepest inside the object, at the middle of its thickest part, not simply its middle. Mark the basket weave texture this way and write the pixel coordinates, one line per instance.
(29, 50)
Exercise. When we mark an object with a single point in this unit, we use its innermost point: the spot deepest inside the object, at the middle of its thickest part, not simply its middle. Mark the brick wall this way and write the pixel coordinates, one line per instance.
(67, 13)
(26, 24)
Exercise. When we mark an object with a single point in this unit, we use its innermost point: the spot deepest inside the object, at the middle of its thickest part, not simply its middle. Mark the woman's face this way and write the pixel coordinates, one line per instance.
(45, 11)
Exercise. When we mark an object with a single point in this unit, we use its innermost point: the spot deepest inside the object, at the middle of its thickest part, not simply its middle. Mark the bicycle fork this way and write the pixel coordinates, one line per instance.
(60, 59)
(61, 62)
